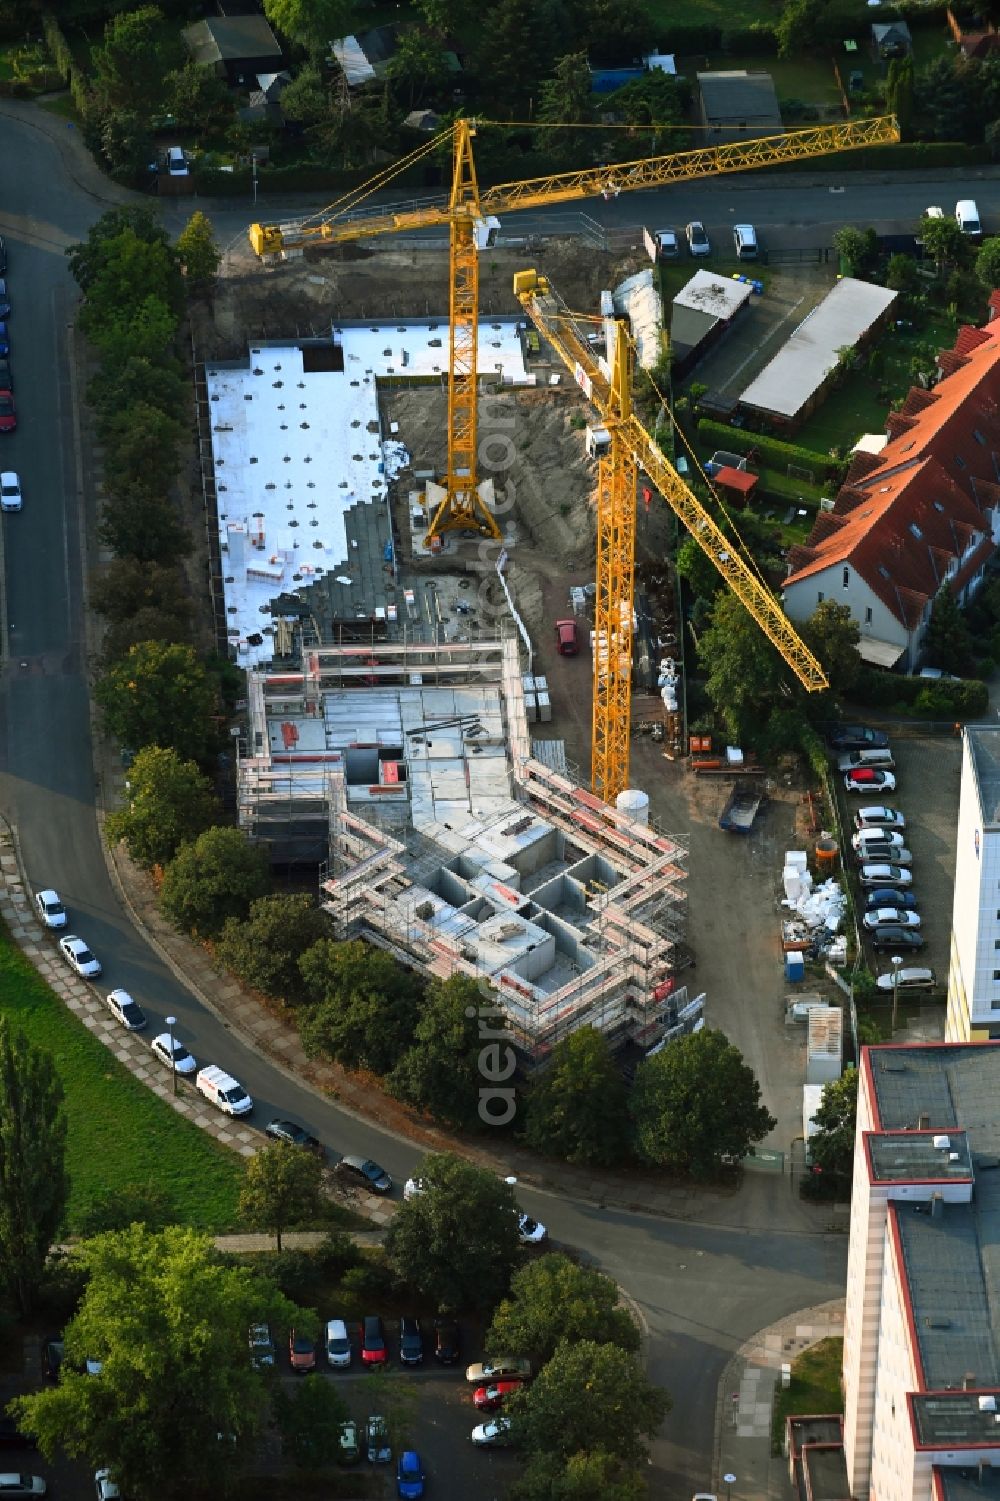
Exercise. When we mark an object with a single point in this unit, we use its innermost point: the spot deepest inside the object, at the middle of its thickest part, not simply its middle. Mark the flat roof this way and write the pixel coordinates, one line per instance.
(950, 1250)
(826, 1473)
(299, 456)
(896, 1157)
(950, 1420)
(798, 370)
(984, 747)
(966, 1484)
(708, 292)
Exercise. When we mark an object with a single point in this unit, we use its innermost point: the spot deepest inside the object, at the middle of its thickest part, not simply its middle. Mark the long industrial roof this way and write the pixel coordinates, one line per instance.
(984, 746)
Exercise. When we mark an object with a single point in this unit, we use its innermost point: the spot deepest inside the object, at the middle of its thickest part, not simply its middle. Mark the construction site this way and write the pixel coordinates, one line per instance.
(401, 506)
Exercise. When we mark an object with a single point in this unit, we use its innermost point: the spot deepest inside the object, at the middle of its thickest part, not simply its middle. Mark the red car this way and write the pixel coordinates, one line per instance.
(373, 1351)
(301, 1353)
(8, 413)
(489, 1398)
(865, 779)
(567, 638)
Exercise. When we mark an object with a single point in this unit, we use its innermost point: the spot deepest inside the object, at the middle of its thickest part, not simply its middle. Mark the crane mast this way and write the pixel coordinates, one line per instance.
(632, 449)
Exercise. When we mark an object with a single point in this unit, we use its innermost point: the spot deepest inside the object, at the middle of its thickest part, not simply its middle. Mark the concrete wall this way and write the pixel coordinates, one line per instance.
(865, 1266)
(973, 993)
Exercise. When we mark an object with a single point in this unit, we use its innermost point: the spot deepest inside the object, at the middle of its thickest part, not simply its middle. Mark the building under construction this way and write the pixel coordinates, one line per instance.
(453, 847)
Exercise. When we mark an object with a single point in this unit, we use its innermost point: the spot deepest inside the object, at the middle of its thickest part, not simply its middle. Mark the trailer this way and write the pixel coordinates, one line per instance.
(742, 807)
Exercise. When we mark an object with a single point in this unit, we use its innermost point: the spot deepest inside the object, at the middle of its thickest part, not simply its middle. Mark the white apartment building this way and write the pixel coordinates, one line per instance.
(974, 971)
(922, 1327)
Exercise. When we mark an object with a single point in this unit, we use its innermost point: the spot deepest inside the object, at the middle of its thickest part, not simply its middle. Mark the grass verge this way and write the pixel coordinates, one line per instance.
(61, 105)
(814, 1387)
(120, 1133)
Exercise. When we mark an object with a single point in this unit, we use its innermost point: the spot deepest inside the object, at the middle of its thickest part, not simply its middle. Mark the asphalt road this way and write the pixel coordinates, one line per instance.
(701, 1289)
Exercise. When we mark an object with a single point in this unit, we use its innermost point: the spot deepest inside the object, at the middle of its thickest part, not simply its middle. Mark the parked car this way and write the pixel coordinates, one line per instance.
(879, 816)
(373, 1350)
(104, 1487)
(3, 256)
(261, 1346)
(409, 1476)
(888, 896)
(865, 838)
(79, 957)
(850, 737)
(865, 780)
(899, 917)
(884, 873)
(53, 1355)
(222, 1090)
(907, 979)
(4, 337)
(698, 241)
(878, 850)
(745, 242)
(567, 638)
(893, 939)
(493, 1434)
(4, 298)
(491, 1398)
(348, 1448)
(177, 165)
(377, 1440)
(126, 1011)
(668, 244)
(411, 1341)
(6, 374)
(447, 1342)
(297, 1135)
(301, 1352)
(364, 1171)
(530, 1231)
(50, 909)
(499, 1369)
(877, 760)
(338, 1344)
(968, 218)
(173, 1053)
(10, 491)
(20, 1487)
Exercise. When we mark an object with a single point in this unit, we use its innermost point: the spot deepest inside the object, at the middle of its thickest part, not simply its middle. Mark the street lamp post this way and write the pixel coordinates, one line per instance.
(897, 960)
(171, 1024)
(730, 1482)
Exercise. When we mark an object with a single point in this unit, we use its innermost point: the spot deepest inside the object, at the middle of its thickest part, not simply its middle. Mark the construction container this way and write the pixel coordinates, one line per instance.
(825, 1046)
(544, 707)
(795, 967)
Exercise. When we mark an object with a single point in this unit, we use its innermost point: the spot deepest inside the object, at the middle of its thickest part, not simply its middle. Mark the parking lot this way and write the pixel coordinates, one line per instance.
(928, 771)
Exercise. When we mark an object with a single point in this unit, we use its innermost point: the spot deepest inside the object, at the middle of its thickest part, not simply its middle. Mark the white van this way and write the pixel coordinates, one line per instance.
(875, 760)
(745, 240)
(968, 218)
(177, 162)
(224, 1092)
(864, 839)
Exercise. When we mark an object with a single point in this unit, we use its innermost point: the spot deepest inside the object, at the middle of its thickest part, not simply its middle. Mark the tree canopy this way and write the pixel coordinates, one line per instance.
(169, 804)
(33, 1182)
(365, 1005)
(988, 263)
(440, 1070)
(577, 1109)
(264, 948)
(314, 24)
(281, 1188)
(198, 252)
(948, 642)
(458, 1240)
(588, 1397)
(160, 695)
(168, 1324)
(309, 1416)
(832, 1148)
(552, 1299)
(131, 63)
(216, 877)
(696, 1105)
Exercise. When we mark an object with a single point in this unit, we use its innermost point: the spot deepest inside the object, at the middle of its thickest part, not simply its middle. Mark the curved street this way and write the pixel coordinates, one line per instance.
(702, 1287)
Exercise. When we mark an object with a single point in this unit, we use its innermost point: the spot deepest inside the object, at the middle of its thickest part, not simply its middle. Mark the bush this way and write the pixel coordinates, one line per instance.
(772, 451)
(57, 45)
(368, 1283)
(921, 697)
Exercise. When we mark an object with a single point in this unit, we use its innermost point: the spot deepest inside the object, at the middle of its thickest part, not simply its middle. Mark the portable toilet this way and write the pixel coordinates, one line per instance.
(795, 967)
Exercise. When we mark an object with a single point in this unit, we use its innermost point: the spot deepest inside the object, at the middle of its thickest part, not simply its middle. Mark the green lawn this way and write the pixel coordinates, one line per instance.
(810, 79)
(120, 1133)
(62, 105)
(729, 14)
(814, 1388)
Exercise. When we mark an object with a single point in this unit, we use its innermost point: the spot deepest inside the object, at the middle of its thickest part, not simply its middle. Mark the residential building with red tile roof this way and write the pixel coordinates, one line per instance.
(922, 514)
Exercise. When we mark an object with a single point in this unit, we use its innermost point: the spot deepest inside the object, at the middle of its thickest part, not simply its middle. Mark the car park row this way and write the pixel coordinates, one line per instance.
(890, 920)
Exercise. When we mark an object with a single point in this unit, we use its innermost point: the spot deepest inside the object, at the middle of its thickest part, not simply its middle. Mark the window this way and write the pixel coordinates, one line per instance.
(979, 437)
(960, 461)
(915, 530)
(820, 597)
(938, 506)
(847, 577)
(995, 1005)
(883, 571)
(996, 974)
(996, 943)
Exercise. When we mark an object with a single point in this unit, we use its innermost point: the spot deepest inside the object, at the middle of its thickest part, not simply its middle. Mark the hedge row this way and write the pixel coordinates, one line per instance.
(839, 19)
(67, 69)
(937, 698)
(302, 178)
(910, 155)
(770, 451)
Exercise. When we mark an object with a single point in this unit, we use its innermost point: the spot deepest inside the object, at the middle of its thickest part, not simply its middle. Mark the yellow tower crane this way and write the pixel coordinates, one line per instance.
(466, 214)
(632, 449)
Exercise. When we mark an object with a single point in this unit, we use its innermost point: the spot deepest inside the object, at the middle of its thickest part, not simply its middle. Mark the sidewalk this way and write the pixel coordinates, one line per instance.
(745, 1403)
